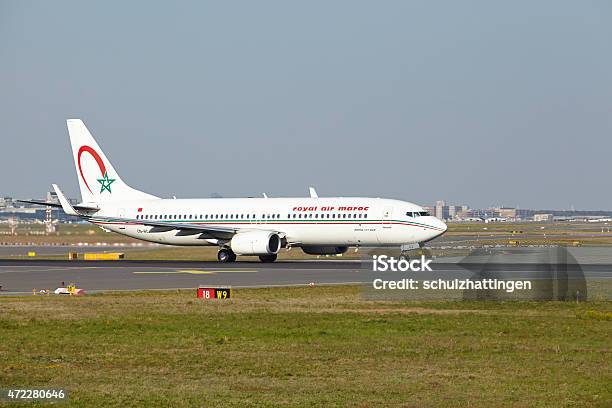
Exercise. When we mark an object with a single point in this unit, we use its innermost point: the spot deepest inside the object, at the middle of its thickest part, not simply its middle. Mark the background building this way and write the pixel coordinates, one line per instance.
(448, 212)
(441, 210)
(543, 217)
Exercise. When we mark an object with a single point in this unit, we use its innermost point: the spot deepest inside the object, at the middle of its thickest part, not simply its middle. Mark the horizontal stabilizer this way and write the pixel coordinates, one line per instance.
(58, 205)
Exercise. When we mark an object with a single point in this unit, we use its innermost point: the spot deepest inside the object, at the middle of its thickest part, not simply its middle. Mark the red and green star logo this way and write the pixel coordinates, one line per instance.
(106, 183)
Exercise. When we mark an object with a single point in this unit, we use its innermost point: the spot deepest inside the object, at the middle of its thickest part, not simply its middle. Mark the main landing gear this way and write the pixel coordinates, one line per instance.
(226, 255)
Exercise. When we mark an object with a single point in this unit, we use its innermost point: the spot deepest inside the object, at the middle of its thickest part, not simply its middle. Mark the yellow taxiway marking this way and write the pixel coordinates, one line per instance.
(197, 271)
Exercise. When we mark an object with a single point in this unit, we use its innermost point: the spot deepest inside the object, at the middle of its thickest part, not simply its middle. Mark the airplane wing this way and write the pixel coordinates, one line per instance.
(183, 228)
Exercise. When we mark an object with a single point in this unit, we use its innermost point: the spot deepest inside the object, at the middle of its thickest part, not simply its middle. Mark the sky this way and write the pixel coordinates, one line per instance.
(475, 102)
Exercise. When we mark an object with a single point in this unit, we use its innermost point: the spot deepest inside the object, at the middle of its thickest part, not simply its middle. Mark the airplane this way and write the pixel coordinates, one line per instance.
(239, 226)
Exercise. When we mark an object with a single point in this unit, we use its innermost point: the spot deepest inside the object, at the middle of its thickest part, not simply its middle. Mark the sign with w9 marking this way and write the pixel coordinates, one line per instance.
(214, 293)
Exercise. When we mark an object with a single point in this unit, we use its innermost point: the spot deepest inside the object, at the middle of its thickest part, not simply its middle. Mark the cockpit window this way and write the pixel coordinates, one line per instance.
(417, 214)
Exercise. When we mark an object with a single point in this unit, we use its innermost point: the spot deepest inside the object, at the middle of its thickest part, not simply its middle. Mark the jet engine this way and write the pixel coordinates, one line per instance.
(324, 250)
(255, 243)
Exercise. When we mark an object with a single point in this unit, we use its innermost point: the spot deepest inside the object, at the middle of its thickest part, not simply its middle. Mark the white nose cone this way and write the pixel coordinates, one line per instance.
(442, 225)
(438, 227)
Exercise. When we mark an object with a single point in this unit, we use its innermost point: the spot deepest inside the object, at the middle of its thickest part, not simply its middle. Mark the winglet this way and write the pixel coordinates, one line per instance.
(313, 192)
(66, 206)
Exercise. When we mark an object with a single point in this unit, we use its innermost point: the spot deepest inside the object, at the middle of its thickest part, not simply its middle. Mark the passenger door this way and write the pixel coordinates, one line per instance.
(121, 214)
(386, 225)
(387, 218)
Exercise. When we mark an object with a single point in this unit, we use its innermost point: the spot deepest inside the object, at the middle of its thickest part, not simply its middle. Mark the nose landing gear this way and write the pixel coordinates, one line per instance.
(405, 251)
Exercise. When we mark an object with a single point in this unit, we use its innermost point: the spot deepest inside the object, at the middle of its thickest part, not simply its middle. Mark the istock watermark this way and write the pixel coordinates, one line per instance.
(385, 263)
(523, 274)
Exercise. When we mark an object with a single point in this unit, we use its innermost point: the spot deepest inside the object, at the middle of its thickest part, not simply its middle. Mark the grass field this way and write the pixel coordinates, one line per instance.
(312, 346)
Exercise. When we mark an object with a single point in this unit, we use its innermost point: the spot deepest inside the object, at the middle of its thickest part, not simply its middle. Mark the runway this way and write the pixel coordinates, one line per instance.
(22, 276)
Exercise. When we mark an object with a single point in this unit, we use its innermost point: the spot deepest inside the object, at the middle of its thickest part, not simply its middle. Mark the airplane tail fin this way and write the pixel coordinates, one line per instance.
(98, 180)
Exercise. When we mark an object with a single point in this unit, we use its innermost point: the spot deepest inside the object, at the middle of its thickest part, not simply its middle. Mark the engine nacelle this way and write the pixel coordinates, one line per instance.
(255, 243)
(324, 250)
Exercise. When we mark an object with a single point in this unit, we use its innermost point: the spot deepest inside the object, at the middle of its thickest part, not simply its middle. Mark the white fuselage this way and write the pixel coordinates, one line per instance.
(351, 221)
